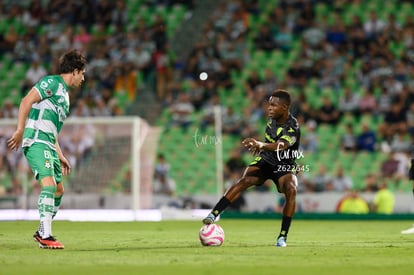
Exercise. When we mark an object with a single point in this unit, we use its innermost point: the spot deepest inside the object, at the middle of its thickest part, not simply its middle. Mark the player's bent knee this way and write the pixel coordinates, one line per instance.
(291, 189)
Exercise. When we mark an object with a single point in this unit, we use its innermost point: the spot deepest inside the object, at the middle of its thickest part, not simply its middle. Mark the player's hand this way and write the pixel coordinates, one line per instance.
(252, 145)
(15, 141)
(65, 166)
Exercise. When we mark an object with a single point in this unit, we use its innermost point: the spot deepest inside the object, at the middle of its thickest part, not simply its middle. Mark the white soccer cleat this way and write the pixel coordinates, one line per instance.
(281, 242)
(209, 219)
(408, 231)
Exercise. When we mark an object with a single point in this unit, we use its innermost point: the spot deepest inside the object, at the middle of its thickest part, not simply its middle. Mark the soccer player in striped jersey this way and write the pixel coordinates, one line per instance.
(41, 115)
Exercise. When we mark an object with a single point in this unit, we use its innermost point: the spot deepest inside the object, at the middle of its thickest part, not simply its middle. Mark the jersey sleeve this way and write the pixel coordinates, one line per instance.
(45, 87)
(290, 135)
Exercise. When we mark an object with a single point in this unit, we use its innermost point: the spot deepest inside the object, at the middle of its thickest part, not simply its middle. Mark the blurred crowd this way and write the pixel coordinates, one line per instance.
(352, 72)
(343, 69)
(123, 51)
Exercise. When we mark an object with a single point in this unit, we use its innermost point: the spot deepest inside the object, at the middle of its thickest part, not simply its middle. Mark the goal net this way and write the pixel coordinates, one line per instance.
(112, 165)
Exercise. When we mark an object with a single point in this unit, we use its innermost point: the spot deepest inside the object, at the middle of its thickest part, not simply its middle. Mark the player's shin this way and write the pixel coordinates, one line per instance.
(284, 230)
(46, 204)
(58, 200)
(220, 206)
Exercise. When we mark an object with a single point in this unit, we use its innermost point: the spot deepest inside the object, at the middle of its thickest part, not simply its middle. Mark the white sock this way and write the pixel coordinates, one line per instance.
(47, 226)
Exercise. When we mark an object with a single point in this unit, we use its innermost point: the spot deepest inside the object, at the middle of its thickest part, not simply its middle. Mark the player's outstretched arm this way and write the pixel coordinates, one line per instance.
(256, 146)
(24, 109)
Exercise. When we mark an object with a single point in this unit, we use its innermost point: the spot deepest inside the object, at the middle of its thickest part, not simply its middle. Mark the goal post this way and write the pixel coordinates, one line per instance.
(112, 162)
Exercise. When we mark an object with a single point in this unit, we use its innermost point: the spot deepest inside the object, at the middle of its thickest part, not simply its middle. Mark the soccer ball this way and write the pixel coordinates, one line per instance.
(211, 235)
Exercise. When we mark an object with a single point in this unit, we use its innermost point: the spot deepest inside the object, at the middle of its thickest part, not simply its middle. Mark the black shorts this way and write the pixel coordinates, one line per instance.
(273, 172)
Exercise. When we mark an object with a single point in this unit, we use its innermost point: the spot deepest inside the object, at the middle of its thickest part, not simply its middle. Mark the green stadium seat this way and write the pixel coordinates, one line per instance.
(179, 11)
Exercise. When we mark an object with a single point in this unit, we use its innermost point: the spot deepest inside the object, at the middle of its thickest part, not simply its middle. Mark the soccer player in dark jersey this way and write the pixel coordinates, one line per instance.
(275, 160)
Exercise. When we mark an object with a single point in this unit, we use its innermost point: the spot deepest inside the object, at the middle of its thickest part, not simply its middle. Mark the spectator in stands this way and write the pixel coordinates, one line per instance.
(253, 113)
(207, 118)
(119, 14)
(10, 38)
(269, 82)
(229, 53)
(264, 39)
(296, 75)
(314, 35)
(284, 38)
(64, 40)
(309, 141)
(373, 26)
(389, 167)
(394, 120)
(384, 200)
(159, 33)
(368, 102)
(341, 182)
(321, 181)
(163, 67)
(163, 183)
(209, 61)
(53, 28)
(24, 49)
(336, 34)
(101, 108)
(33, 74)
(393, 86)
(232, 122)
(410, 119)
(235, 164)
(126, 80)
(352, 203)
(384, 100)
(328, 113)
(181, 111)
(349, 139)
(305, 19)
(393, 28)
(223, 77)
(196, 93)
(348, 101)
(251, 83)
(366, 140)
(142, 60)
(370, 183)
(34, 14)
(103, 12)
(81, 109)
(82, 38)
(9, 110)
(5, 179)
(400, 142)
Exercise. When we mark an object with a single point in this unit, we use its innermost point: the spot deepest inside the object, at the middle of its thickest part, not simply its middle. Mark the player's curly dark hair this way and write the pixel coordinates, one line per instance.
(283, 95)
(70, 61)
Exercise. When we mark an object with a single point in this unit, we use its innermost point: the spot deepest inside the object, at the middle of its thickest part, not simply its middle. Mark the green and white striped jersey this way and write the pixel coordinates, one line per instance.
(46, 117)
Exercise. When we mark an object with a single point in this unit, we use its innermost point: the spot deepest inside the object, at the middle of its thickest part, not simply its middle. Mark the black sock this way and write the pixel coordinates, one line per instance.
(285, 226)
(220, 206)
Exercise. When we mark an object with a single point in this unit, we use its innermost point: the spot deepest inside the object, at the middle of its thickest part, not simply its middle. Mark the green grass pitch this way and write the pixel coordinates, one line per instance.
(172, 247)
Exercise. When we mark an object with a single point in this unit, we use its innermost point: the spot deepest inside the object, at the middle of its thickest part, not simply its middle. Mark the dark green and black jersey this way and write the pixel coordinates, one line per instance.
(289, 132)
